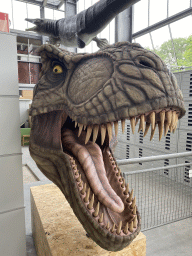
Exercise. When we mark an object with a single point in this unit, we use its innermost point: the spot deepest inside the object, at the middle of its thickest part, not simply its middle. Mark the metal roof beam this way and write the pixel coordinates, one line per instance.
(44, 3)
(163, 23)
(51, 6)
(61, 3)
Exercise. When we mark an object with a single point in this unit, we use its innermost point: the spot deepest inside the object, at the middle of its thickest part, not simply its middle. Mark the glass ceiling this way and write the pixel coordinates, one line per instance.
(146, 13)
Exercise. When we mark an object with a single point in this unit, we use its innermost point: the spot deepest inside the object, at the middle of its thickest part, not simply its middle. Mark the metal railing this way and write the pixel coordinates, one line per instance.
(163, 194)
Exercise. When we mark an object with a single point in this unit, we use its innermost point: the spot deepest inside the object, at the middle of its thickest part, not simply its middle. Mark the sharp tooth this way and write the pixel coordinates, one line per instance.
(75, 124)
(146, 129)
(135, 210)
(132, 120)
(152, 120)
(160, 127)
(125, 231)
(123, 125)
(87, 196)
(88, 135)
(79, 178)
(107, 227)
(90, 205)
(131, 227)
(95, 132)
(119, 228)
(119, 172)
(135, 222)
(173, 119)
(123, 184)
(80, 129)
(130, 196)
(168, 116)
(162, 116)
(137, 120)
(142, 123)
(96, 213)
(161, 124)
(152, 133)
(113, 228)
(84, 189)
(166, 128)
(103, 133)
(77, 172)
(74, 167)
(134, 202)
(127, 189)
(116, 128)
(80, 184)
(109, 129)
(101, 218)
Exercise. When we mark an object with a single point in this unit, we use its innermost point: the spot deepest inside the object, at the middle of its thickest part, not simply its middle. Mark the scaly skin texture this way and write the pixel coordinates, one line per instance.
(77, 100)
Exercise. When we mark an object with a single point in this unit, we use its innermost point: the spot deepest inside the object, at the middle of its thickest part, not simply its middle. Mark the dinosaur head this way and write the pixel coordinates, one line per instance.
(77, 102)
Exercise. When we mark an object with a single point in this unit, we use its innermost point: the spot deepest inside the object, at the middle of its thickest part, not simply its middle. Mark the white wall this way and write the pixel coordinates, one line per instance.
(12, 221)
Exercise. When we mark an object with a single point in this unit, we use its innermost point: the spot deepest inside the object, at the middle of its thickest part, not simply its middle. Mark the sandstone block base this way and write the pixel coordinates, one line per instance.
(57, 231)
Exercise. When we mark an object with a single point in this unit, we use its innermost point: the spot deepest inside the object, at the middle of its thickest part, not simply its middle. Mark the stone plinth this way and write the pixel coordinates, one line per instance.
(57, 231)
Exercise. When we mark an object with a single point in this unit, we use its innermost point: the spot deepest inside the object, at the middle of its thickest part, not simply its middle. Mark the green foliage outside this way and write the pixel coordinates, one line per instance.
(182, 56)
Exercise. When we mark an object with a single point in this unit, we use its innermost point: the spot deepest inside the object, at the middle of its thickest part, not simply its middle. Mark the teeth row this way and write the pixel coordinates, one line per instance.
(168, 121)
(85, 192)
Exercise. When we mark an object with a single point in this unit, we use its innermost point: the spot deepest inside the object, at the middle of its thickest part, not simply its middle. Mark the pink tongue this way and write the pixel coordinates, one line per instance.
(91, 159)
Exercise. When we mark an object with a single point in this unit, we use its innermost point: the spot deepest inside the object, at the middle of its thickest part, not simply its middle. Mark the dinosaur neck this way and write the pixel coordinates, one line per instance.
(52, 28)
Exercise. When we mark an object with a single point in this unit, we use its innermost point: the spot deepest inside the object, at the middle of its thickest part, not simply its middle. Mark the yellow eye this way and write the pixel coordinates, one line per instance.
(57, 69)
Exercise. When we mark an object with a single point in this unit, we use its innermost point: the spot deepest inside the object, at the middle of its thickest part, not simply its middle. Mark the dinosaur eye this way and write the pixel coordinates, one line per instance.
(57, 69)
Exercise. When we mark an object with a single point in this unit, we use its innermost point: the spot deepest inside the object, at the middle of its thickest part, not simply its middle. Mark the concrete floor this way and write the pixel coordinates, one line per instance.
(170, 240)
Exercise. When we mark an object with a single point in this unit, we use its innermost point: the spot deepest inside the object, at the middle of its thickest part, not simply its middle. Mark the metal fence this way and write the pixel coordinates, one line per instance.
(162, 194)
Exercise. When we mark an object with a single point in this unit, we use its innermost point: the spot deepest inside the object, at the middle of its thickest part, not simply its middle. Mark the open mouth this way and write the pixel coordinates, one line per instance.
(94, 183)
(100, 184)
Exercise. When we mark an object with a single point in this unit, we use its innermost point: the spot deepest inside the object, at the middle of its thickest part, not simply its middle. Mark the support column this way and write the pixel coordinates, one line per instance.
(42, 16)
(70, 10)
(123, 26)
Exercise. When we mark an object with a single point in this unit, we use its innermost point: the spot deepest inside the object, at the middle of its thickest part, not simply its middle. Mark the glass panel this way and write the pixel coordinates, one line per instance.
(176, 6)
(140, 10)
(182, 40)
(158, 11)
(6, 7)
(181, 27)
(81, 5)
(58, 15)
(163, 45)
(112, 32)
(33, 11)
(144, 41)
(49, 13)
(19, 15)
(88, 3)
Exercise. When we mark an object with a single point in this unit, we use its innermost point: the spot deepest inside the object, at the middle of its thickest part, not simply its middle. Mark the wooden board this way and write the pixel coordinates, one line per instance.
(57, 231)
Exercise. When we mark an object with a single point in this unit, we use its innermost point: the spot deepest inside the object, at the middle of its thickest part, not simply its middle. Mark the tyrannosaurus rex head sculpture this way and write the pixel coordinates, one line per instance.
(77, 100)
